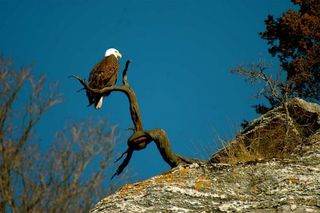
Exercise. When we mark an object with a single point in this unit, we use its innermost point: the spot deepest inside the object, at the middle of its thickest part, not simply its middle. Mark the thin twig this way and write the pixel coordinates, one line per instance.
(119, 158)
(124, 163)
(124, 73)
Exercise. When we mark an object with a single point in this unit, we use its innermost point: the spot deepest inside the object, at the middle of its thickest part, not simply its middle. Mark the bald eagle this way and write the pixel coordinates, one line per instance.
(104, 74)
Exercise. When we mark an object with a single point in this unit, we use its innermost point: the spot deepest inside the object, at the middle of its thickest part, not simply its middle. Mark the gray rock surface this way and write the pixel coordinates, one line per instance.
(262, 184)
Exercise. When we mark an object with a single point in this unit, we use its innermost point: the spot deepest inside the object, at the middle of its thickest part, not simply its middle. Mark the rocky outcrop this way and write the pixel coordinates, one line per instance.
(285, 180)
(277, 134)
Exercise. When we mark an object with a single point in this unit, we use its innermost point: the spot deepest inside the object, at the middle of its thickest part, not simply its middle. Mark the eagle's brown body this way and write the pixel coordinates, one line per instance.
(104, 74)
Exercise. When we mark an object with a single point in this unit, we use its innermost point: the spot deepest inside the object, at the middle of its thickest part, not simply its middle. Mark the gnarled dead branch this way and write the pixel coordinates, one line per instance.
(140, 138)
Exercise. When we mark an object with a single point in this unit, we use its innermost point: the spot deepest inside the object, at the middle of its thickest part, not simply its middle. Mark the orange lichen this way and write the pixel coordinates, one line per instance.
(293, 179)
(137, 188)
(172, 177)
(166, 178)
(184, 171)
(202, 184)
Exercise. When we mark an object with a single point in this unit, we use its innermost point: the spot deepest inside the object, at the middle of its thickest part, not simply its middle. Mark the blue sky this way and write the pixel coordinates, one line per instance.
(181, 52)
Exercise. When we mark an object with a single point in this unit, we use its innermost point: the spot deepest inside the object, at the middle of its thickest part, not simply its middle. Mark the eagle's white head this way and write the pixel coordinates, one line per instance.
(113, 51)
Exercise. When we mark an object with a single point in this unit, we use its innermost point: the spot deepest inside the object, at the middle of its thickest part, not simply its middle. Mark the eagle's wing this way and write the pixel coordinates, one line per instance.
(105, 73)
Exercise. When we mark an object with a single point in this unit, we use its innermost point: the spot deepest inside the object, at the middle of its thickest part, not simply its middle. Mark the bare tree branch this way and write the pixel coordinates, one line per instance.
(140, 138)
(32, 180)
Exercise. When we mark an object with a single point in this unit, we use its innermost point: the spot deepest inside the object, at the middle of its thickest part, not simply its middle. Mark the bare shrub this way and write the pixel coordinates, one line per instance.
(71, 175)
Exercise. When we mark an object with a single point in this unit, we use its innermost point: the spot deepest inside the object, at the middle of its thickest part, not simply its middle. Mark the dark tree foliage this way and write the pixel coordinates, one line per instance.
(295, 39)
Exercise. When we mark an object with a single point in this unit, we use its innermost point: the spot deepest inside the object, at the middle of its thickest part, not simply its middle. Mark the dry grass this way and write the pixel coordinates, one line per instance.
(236, 152)
(265, 142)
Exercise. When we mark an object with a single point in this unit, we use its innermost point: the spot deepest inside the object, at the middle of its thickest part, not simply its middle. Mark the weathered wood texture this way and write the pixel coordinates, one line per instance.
(140, 138)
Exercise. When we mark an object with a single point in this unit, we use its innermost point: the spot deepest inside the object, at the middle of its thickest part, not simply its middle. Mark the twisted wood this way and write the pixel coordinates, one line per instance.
(140, 138)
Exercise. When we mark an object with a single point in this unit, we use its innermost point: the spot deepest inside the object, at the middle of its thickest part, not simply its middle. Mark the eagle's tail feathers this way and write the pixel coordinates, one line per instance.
(99, 104)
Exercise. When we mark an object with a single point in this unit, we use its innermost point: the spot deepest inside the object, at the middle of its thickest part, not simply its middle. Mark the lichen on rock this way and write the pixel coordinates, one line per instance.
(288, 181)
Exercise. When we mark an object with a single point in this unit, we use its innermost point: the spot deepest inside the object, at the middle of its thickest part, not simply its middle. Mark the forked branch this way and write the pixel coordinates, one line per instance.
(126, 89)
(140, 138)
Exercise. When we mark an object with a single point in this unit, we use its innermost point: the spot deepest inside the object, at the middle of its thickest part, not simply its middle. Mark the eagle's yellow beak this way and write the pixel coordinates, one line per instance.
(119, 55)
